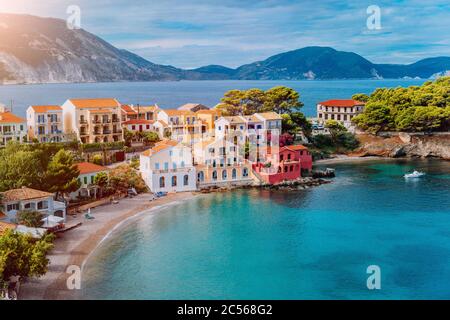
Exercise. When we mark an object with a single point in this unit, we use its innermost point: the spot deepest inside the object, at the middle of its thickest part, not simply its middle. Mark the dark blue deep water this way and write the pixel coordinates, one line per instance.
(315, 243)
(170, 95)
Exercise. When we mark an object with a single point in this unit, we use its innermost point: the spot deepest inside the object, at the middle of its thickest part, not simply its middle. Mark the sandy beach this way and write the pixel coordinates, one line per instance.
(75, 246)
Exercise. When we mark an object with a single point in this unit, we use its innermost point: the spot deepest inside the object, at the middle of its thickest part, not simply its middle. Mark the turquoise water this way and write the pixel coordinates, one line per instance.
(173, 94)
(315, 243)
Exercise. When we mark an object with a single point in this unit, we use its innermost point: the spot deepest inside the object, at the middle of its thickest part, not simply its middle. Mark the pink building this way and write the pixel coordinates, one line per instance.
(287, 164)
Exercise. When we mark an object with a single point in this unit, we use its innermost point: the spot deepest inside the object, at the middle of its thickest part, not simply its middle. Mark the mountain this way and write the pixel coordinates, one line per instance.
(44, 50)
(328, 63)
(36, 50)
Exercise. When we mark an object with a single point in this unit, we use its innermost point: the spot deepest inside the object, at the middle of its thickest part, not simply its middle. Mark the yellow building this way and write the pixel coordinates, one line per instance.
(93, 120)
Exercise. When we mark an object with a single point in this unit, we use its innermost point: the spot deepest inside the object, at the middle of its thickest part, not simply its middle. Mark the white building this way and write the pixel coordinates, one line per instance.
(244, 126)
(342, 110)
(12, 127)
(16, 200)
(168, 167)
(45, 123)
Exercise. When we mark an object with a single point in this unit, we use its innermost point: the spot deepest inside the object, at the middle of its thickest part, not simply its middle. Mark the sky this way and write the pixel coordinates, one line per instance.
(190, 34)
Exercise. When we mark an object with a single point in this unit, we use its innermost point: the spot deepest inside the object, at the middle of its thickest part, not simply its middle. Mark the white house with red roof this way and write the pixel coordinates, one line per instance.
(342, 110)
(88, 172)
(168, 167)
(45, 123)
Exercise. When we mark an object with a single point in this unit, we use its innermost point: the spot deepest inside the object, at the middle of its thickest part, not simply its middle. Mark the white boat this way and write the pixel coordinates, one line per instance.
(415, 174)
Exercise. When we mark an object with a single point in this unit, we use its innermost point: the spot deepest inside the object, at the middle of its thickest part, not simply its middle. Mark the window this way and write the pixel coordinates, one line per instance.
(186, 180)
(174, 181)
(92, 179)
(162, 182)
(14, 206)
(42, 205)
(170, 153)
(281, 157)
(174, 165)
(166, 166)
(224, 175)
(219, 128)
(233, 174)
(182, 164)
(85, 180)
(201, 176)
(292, 168)
(289, 156)
(157, 166)
(214, 175)
(245, 172)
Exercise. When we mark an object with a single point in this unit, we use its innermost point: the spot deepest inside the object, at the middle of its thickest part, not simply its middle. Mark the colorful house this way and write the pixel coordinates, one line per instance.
(220, 163)
(93, 120)
(16, 200)
(45, 123)
(88, 172)
(342, 110)
(287, 163)
(12, 127)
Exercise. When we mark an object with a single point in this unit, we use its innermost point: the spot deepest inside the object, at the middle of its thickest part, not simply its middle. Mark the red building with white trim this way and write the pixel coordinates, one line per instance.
(288, 164)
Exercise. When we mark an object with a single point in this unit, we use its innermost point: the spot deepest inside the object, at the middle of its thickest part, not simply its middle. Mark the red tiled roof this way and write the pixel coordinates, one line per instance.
(42, 109)
(24, 193)
(296, 147)
(342, 103)
(8, 117)
(162, 145)
(87, 167)
(4, 226)
(95, 103)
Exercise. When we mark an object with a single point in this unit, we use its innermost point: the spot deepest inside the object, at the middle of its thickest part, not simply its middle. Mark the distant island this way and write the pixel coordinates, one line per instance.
(44, 50)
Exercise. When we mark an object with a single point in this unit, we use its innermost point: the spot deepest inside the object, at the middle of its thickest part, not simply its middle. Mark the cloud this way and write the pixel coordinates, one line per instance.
(194, 33)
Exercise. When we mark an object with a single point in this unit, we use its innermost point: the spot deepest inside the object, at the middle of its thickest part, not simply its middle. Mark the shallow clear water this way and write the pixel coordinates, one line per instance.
(169, 95)
(315, 243)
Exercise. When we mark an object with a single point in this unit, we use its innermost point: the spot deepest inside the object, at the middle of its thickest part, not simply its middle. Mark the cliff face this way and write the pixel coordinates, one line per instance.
(405, 145)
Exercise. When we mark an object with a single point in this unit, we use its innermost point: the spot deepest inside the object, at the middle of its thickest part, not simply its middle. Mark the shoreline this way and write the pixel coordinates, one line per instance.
(344, 159)
(77, 246)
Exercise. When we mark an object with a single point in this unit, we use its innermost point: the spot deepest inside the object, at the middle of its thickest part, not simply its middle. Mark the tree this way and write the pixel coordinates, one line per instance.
(362, 97)
(32, 219)
(295, 123)
(22, 255)
(245, 102)
(101, 180)
(123, 177)
(335, 128)
(62, 174)
(20, 167)
(375, 117)
(416, 108)
(150, 137)
(282, 100)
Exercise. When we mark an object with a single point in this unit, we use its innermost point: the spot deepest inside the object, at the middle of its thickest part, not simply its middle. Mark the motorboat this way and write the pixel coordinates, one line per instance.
(414, 174)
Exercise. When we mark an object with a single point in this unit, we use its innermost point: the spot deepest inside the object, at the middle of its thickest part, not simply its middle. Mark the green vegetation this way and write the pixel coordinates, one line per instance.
(124, 177)
(22, 255)
(32, 219)
(424, 108)
(62, 174)
(36, 167)
(338, 141)
(246, 102)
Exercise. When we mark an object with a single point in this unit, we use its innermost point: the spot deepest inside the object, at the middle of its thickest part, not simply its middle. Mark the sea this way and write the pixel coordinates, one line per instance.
(326, 242)
(171, 95)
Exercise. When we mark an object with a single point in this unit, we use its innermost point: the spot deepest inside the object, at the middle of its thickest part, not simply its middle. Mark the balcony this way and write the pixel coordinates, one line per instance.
(107, 132)
(115, 120)
(117, 131)
(83, 122)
